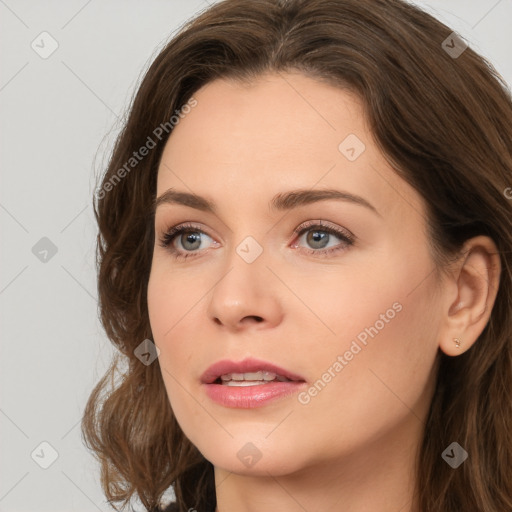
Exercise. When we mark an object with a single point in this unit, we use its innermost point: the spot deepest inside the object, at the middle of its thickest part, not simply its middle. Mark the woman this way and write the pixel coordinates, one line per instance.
(304, 260)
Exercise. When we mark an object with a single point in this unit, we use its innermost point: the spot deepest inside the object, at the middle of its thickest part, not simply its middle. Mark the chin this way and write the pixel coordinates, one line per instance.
(256, 457)
(265, 467)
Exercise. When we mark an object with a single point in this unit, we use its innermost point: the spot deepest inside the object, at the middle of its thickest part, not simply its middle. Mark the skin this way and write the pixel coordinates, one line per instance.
(352, 447)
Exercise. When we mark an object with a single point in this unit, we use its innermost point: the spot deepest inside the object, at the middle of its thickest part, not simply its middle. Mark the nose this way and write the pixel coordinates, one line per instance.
(247, 296)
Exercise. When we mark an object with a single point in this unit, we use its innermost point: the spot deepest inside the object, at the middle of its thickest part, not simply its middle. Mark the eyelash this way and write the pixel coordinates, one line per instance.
(344, 235)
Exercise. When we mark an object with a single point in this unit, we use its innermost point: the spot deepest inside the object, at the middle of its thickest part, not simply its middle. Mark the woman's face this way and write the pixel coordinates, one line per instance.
(355, 315)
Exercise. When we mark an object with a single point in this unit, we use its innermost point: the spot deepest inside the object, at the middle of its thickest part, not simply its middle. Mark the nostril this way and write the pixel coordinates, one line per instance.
(257, 318)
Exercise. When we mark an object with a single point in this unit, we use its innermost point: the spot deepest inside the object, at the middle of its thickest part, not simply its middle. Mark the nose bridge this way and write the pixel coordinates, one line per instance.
(247, 290)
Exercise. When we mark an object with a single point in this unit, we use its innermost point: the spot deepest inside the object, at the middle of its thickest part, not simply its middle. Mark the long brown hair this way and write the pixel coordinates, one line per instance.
(443, 120)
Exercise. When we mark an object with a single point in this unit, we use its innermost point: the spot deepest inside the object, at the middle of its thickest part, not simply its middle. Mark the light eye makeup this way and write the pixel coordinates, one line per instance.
(315, 238)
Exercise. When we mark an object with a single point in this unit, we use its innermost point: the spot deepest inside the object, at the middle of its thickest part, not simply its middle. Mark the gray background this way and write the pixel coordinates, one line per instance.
(59, 118)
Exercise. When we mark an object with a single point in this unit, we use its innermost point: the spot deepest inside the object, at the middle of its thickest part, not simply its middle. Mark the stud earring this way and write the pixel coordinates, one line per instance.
(457, 342)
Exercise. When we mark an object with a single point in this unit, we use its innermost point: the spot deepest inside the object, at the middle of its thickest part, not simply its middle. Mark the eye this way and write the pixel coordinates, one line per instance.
(185, 240)
(321, 238)
(188, 240)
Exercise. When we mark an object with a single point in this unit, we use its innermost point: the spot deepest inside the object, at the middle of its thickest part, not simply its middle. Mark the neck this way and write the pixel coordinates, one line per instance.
(379, 477)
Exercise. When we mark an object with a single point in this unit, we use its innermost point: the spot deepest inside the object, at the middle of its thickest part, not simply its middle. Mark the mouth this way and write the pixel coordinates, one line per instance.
(249, 383)
(250, 378)
(249, 372)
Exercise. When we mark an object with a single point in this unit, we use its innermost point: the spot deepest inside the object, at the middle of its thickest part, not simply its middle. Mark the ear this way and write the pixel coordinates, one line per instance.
(470, 293)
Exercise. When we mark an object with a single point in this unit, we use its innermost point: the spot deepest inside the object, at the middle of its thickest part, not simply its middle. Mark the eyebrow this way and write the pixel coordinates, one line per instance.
(280, 202)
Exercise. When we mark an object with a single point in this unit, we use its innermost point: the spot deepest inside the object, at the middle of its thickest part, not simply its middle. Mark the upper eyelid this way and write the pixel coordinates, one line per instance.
(338, 231)
(191, 225)
(320, 224)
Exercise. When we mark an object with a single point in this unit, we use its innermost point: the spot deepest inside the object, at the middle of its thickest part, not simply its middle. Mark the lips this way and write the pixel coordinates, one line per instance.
(249, 383)
(249, 365)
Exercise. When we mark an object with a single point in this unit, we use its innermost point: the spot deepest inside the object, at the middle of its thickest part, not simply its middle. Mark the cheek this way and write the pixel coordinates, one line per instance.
(377, 369)
(174, 305)
(384, 304)
(173, 297)
(379, 318)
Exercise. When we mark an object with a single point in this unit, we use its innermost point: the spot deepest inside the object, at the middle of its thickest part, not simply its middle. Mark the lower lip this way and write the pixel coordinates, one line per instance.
(248, 397)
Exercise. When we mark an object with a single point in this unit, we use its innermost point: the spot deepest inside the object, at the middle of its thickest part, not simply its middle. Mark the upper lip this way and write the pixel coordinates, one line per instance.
(247, 365)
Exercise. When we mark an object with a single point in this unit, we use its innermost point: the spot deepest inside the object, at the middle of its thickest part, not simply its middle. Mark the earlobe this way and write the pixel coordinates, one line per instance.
(475, 285)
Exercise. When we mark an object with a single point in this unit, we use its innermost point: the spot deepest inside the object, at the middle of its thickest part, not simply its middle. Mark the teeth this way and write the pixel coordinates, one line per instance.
(242, 383)
(251, 378)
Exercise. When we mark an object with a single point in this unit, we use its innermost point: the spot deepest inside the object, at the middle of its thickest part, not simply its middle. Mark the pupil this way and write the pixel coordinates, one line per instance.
(318, 237)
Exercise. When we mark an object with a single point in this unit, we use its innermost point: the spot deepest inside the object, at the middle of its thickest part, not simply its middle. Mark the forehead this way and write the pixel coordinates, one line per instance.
(274, 117)
(280, 132)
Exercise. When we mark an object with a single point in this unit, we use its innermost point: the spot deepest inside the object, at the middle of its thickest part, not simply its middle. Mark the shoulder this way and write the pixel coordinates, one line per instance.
(172, 507)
